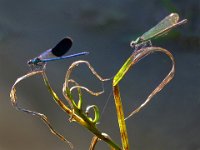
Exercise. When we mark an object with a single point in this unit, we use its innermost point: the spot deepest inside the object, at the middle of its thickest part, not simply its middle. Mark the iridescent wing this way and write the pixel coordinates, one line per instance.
(59, 50)
(163, 27)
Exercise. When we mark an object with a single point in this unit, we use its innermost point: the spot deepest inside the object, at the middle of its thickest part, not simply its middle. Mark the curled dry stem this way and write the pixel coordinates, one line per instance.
(144, 52)
(131, 61)
(80, 117)
(43, 117)
(67, 90)
(89, 123)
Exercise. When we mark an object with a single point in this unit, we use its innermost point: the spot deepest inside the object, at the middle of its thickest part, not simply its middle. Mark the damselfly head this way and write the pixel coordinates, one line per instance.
(34, 61)
(134, 43)
(30, 62)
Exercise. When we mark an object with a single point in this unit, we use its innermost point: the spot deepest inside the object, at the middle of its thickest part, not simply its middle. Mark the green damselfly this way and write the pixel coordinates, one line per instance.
(164, 26)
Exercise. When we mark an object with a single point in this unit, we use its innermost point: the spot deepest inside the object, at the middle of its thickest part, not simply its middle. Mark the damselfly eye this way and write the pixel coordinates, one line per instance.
(132, 44)
(29, 62)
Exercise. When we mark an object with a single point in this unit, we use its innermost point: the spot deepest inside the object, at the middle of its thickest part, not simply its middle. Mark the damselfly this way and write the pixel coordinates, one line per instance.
(53, 54)
(161, 28)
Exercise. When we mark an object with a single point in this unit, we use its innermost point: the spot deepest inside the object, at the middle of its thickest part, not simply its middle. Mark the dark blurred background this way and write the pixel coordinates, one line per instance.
(171, 121)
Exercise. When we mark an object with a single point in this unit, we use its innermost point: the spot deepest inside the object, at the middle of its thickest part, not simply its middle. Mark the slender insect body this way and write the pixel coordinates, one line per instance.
(53, 54)
(162, 28)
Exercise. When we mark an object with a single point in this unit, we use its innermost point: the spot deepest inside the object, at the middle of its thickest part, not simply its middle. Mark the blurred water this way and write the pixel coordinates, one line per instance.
(104, 28)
